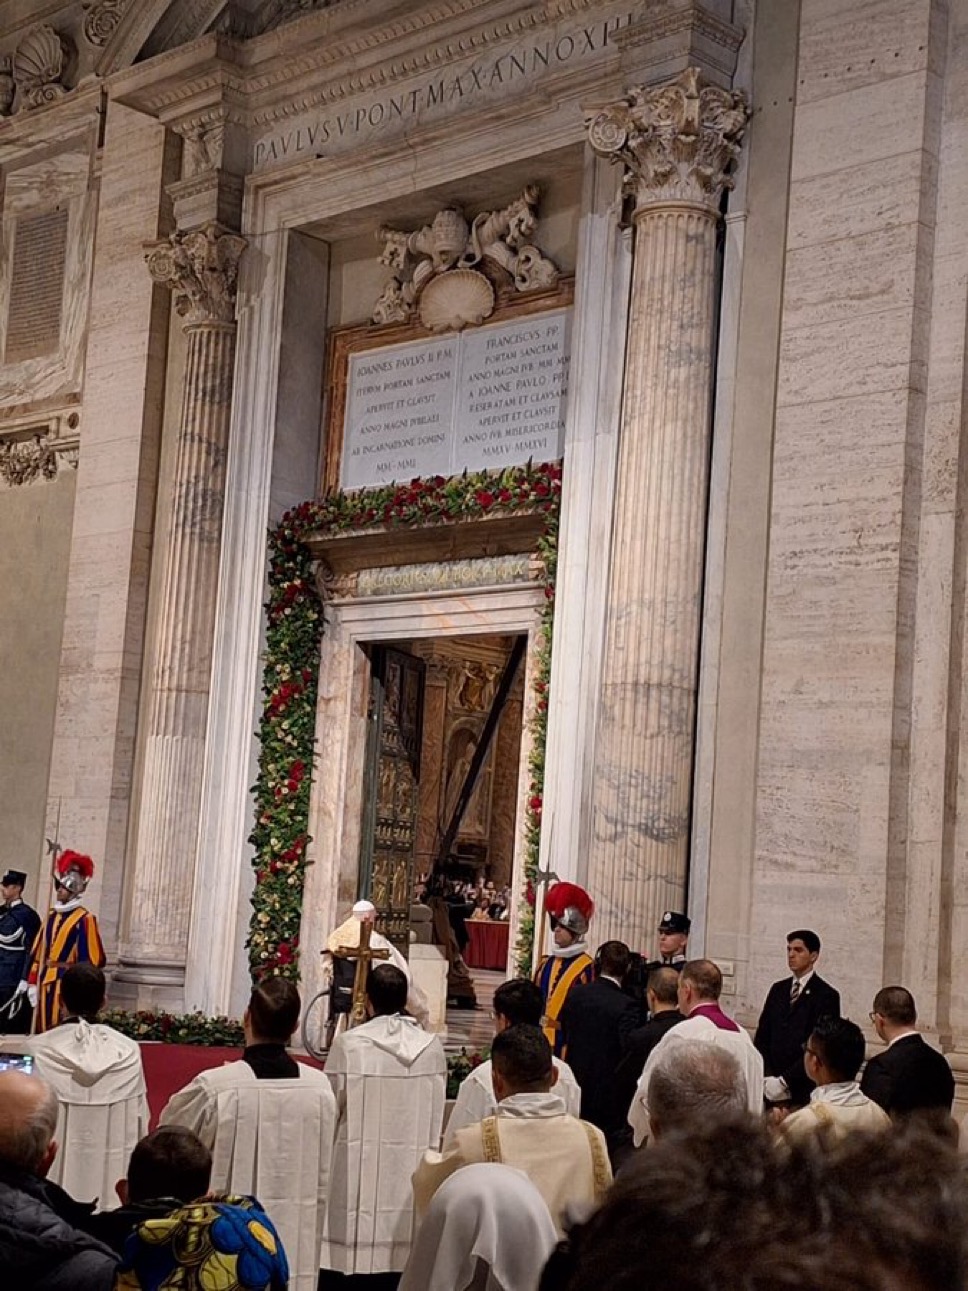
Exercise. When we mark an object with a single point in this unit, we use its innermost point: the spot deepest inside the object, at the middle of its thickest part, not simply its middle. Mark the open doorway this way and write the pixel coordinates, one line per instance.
(440, 797)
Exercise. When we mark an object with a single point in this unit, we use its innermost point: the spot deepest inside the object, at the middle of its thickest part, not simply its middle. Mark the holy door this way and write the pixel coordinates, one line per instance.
(390, 784)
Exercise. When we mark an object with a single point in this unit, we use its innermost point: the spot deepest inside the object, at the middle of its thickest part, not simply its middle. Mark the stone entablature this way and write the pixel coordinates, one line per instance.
(289, 90)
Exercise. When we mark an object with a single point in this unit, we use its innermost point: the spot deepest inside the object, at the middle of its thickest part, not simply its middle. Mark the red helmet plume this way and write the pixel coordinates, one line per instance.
(561, 896)
(69, 860)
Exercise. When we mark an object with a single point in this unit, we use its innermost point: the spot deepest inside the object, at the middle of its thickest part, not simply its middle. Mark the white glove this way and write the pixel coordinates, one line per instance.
(21, 987)
(775, 1090)
(32, 996)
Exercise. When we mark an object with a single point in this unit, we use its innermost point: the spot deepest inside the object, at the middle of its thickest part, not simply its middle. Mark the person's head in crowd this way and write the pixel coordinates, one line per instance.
(834, 1051)
(692, 1081)
(28, 1118)
(700, 982)
(486, 1223)
(613, 960)
(170, 1162)
(674, 929)
(521, 1062)
(893, 1012)
(517, 1001)
(803, 951)
(273, 1012)
(386, 991)
(719, 1207)
(662, 990)
(83, 989)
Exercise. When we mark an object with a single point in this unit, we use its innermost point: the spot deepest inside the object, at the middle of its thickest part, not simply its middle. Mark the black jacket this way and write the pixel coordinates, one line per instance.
(41, 1249)
(114, 1227)
(783, 1028)
(595, 1022)
(908, 1076)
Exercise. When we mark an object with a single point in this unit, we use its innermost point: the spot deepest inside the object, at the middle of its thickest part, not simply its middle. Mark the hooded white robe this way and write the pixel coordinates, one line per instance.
(389, 1078)
(271, 1139)
(99, 1081)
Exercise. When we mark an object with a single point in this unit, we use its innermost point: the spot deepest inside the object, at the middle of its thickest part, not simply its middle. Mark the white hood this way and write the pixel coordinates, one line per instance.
(397, 1035)
(79, 1056)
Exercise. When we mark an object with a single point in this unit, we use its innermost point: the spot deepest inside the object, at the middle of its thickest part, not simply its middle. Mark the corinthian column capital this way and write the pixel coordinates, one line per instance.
(678, 141)
(201, 267)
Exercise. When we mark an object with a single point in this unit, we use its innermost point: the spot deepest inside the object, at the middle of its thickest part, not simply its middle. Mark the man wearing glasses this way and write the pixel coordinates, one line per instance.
(832, 1057)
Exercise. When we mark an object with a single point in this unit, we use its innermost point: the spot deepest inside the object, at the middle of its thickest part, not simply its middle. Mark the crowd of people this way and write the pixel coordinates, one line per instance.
(624, 1131)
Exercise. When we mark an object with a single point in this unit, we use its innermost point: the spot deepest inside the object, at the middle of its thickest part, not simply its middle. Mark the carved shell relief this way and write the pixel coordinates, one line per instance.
(451, 272)
(39, 67)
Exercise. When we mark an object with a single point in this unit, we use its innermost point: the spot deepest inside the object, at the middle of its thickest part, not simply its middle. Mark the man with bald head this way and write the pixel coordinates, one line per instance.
(40, 1247)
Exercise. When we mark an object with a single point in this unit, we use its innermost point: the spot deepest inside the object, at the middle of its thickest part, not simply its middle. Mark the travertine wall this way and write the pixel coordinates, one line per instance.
(35, 535)
(834, 781)
(114, 510)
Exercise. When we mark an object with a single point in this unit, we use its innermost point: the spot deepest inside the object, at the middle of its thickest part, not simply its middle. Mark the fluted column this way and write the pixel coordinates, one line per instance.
(200, 268)
(677, 143)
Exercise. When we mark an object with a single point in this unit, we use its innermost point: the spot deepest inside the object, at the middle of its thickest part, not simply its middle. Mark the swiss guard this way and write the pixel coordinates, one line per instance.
(19, 925)
(569, 909)
(70, 935)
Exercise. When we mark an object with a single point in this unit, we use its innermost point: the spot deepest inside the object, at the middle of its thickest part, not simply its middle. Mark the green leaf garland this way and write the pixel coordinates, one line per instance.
(293, 631)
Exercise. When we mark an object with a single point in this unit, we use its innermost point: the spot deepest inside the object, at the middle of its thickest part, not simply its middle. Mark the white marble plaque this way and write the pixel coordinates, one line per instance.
(511, 398)
(489, 397)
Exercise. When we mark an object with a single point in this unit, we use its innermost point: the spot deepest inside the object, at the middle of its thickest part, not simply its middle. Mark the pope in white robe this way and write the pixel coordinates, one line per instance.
(97, 1075)
(389, 1077)
(347, 937)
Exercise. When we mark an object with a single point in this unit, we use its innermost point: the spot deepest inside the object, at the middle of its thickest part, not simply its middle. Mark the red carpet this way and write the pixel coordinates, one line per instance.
(170, 1066)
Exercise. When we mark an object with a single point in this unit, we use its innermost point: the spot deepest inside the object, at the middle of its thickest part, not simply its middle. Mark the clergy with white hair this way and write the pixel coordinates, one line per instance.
(269, 1124)
(98, 1079)
(700, 986)
(389, 1077)
(347, 937)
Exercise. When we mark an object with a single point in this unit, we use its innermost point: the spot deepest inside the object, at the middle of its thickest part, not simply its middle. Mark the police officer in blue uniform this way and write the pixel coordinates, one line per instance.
(19, 925)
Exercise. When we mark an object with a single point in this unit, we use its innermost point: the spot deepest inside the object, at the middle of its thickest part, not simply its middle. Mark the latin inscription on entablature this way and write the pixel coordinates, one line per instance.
(471, 83)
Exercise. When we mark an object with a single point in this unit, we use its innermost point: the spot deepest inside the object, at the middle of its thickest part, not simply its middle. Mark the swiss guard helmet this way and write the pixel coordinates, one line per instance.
(73, 872)
(569, 905)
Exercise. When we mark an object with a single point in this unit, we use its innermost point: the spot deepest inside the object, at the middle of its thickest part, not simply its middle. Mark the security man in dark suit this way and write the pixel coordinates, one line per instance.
(909, 1075)
(596, 1020)
(789, 1016)
(662, 996)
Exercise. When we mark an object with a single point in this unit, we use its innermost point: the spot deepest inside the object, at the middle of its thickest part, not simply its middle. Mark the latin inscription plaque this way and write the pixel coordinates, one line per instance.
(485, 398)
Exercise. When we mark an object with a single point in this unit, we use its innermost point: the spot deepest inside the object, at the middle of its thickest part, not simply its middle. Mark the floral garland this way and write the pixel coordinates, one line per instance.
(294, 627)
(175, 1028)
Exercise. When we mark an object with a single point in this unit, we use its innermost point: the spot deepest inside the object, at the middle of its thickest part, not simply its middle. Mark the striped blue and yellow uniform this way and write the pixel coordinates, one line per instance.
(556, 976)
(67, 937)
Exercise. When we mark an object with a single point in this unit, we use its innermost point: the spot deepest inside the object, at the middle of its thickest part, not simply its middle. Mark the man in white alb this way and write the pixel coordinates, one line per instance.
(389, 1077)
(98, 1079)
(269, 1123)
(515, 1002)
(700, 986)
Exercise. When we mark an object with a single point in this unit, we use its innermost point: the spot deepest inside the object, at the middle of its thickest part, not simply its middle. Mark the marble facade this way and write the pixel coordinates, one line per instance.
(760, 610)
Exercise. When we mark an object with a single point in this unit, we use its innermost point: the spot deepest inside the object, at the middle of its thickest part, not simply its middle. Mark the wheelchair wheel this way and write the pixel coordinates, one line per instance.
(319, 1024)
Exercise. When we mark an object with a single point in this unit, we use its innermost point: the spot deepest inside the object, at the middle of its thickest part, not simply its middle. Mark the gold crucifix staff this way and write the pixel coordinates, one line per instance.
(364, 954)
